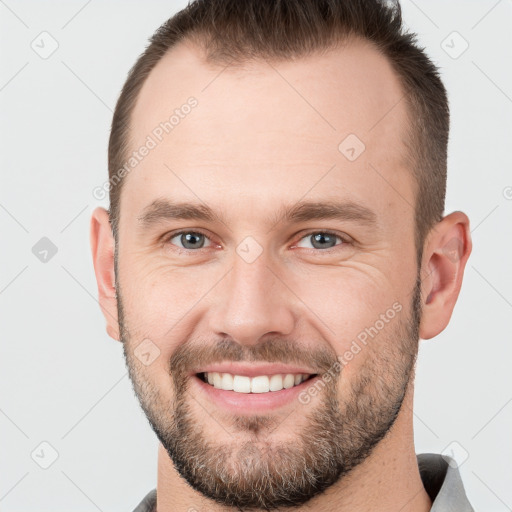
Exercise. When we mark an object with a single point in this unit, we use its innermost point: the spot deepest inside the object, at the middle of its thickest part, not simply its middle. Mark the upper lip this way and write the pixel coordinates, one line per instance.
(253, 370)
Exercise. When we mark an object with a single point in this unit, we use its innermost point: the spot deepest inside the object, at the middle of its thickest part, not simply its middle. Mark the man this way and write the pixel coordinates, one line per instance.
(274, 249)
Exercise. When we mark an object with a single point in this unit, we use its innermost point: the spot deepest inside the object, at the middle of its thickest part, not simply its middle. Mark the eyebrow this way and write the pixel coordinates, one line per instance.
(344, 211)
(161, 210)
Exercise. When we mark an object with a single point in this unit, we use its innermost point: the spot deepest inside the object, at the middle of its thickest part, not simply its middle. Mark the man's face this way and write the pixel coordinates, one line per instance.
(252, 286)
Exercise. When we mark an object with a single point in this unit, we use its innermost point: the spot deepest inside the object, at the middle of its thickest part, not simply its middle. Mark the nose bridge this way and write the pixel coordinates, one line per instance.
(252, 302)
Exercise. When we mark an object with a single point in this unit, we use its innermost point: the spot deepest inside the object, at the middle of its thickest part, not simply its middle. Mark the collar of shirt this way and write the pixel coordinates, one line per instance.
(439, 474)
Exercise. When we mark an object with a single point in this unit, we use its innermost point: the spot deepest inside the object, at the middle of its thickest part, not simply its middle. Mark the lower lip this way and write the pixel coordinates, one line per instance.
(246, 403)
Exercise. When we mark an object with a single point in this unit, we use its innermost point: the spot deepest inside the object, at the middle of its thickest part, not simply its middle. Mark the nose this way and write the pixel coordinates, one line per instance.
(251, 302)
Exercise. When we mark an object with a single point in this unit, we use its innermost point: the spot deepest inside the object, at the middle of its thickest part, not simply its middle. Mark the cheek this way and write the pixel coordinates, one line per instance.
(157, 300)
(351, 304)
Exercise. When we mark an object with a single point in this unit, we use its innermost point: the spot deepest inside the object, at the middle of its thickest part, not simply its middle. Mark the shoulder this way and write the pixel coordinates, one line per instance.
(148, 504)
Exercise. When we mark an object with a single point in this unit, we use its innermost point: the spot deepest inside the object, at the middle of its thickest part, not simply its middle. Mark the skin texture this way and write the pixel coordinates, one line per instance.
(264, 136)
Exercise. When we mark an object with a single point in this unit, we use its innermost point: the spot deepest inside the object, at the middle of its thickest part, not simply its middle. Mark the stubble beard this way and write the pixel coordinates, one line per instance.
(260, 473)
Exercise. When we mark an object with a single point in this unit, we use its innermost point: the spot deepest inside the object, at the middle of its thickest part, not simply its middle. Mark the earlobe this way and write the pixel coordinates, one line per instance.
(103, 247)
(444, 259)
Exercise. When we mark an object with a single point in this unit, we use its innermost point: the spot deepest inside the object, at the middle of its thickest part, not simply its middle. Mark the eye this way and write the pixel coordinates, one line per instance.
(189, 240)
(321, 240)
(194, 240)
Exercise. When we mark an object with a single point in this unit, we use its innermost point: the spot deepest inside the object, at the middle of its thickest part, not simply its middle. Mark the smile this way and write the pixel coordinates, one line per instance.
(258, 384)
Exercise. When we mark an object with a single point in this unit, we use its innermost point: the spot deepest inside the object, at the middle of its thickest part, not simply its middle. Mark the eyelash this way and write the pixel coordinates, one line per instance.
(344, 239)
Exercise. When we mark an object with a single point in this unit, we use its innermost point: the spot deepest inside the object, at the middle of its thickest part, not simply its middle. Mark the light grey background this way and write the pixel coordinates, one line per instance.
(63, 380)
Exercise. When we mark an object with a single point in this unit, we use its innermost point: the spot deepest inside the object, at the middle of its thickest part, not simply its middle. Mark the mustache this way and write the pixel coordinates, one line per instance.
(191, 354)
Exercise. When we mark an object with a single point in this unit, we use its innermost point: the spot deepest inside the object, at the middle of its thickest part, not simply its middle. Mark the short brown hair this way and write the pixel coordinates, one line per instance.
(235, 31)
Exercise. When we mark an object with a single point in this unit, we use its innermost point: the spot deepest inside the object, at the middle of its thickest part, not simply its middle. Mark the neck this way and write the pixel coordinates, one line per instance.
(387, 481)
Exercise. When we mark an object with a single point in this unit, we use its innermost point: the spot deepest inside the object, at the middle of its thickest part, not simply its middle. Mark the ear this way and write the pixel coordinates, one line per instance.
(446, 252)
(102, 246)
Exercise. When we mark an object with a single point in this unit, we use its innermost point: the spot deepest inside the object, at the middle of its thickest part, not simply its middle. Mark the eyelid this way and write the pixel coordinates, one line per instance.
(342, 236)
(169, 236)
(346, 239)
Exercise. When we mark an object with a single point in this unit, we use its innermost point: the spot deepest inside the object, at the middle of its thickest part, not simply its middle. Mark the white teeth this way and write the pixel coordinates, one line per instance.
(217, 380)
(260, 384)
(241, 384)
(276, 383)
(288, 381)
(227, 381)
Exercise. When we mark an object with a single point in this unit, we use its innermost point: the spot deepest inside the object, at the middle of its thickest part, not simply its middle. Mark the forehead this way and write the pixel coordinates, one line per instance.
(266, 130)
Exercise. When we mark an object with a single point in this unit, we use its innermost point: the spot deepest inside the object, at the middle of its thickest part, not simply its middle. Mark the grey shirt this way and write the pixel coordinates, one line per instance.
(439, 474)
